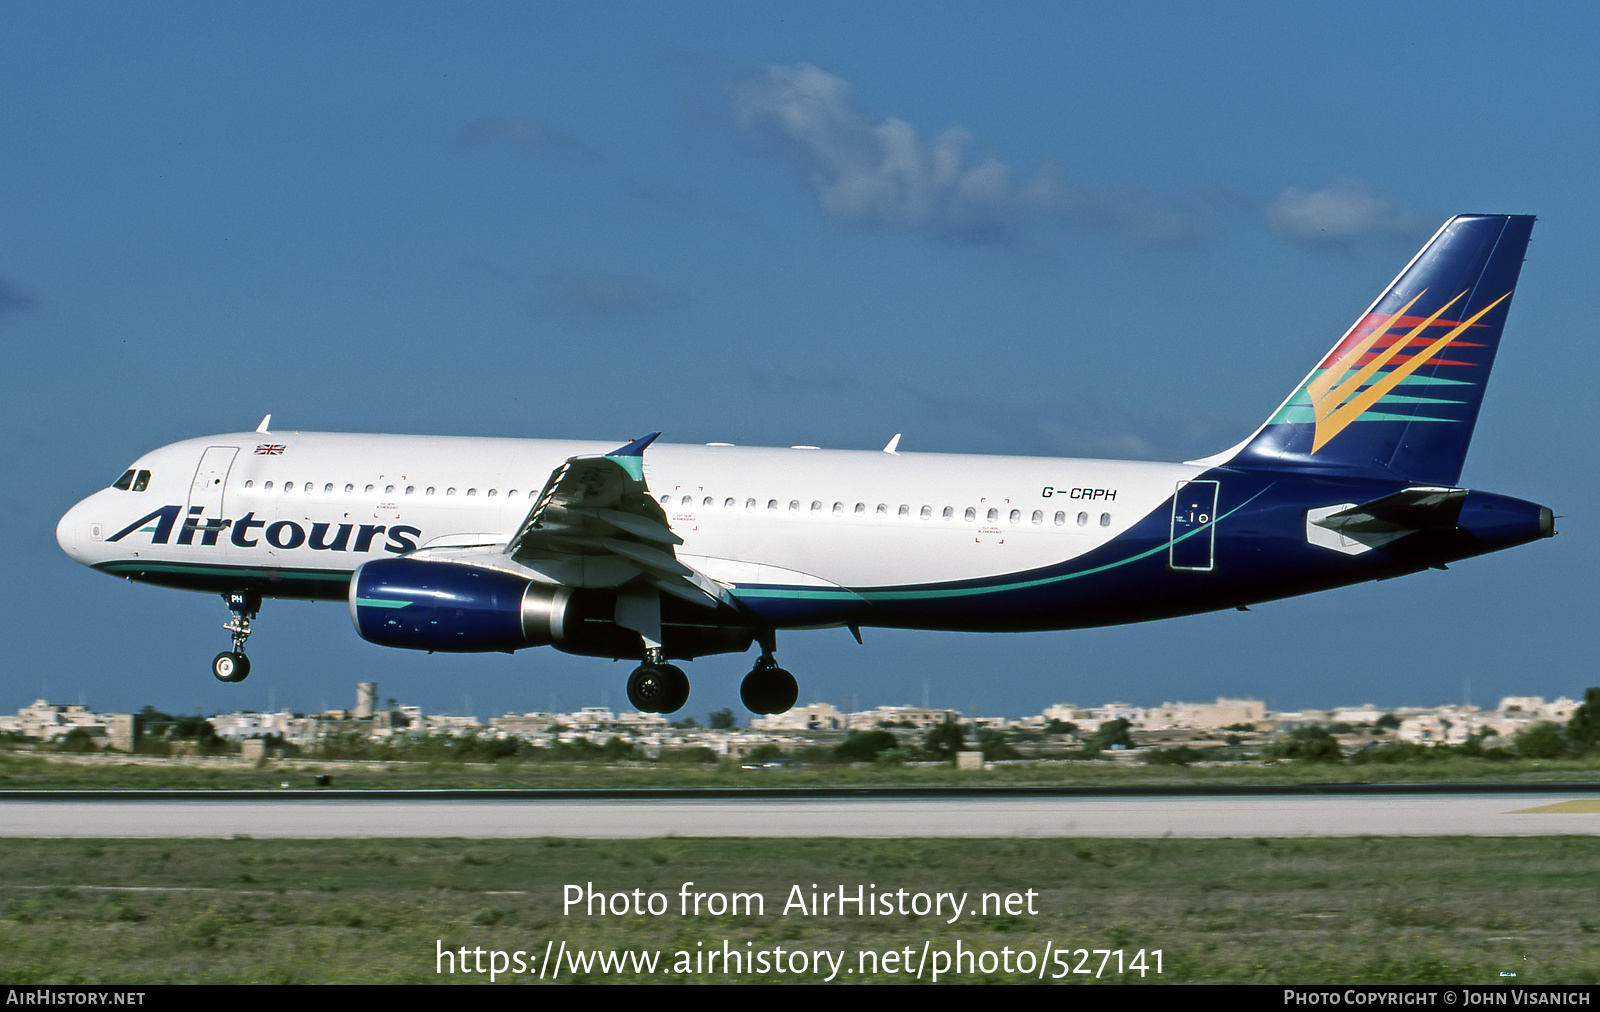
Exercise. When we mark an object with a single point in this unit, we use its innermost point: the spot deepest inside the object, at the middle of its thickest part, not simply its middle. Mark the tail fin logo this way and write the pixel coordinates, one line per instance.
(1380, 353)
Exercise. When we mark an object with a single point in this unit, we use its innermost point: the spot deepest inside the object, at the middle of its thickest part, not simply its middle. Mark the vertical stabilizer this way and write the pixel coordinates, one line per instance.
(1398, 395)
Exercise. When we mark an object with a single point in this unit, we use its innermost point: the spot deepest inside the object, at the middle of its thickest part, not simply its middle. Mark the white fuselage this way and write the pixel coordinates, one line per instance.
(328, 502)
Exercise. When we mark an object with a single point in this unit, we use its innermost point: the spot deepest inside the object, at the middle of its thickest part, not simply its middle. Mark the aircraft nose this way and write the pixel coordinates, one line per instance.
(74, 531)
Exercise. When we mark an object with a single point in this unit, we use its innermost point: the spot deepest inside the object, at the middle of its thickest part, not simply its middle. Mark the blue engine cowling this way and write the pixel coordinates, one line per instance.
(425, 605)
(441, 606)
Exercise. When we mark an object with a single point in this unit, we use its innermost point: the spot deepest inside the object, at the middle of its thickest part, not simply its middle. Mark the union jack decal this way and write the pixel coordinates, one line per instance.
(270, 449)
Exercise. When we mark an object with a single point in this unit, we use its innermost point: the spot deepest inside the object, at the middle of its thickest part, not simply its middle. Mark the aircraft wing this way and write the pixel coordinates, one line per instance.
(596, 525)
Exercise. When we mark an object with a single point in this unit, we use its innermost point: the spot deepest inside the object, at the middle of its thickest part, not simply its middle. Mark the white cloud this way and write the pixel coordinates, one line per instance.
(867, 170)
(1341, 212)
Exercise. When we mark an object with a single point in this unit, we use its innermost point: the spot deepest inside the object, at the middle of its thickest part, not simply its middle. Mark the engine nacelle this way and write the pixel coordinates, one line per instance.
(441, 606)
(425, 605)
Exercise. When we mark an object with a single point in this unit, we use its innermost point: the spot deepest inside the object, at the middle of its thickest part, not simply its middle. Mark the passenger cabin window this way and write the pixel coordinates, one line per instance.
(816, 505)
(1105, 520)
(926, 513)
(949, 513)
(1083, 519)
(861, 509)
(971, 514)
(328, 488)
(288, 486)
(993, 515)
(707, 502)
(905, 510)
(1038, 516)
(1061, 518)
(369, 488)
(347, 489)
(883, 509)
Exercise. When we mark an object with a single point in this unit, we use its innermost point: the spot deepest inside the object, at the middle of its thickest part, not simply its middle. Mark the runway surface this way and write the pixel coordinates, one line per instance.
(1539, 813)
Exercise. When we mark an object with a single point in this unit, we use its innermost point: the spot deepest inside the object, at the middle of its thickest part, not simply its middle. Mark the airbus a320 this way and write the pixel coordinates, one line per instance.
(659, 553)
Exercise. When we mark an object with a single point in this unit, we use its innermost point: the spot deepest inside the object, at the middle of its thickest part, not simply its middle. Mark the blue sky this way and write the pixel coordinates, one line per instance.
(1055, 229)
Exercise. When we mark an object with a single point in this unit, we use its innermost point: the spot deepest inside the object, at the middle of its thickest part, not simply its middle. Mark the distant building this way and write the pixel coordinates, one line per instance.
(366, 700)
(918, 717)
(1366, 713)
(1536, 709)
(815, 717)
(1204, 716)
(48, 722)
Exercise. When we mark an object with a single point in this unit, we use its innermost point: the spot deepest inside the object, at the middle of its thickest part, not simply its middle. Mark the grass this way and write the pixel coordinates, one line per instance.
(1337, 911)
(115, 772)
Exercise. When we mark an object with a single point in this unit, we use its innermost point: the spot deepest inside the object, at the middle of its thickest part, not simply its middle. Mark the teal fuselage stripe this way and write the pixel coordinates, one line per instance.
(783, 593)
(928, 595)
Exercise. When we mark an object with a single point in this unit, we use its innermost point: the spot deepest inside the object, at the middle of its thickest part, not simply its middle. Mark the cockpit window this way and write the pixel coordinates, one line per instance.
(125, 481)
(142, 482)
(132, 480)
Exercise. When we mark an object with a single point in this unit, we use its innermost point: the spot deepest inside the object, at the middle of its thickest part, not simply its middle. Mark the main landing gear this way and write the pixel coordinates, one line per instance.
(656, 686)
(768, 688)
(233, 665)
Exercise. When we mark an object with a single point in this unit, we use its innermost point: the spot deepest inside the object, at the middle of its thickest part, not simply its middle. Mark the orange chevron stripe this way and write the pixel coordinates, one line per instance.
(1335, 423)
(1318, 388)
(1327, 406)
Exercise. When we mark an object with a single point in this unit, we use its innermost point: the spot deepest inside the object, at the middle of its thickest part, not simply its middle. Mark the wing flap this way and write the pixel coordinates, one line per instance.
(596, 523)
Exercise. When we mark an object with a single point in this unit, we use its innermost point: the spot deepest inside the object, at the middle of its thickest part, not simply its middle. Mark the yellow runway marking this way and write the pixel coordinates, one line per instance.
(1587, 805)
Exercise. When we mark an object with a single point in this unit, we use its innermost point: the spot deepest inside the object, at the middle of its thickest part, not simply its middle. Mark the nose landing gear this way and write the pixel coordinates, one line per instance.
(233, 665)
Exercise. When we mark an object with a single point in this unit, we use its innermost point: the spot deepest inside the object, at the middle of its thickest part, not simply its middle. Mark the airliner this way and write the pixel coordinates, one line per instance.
(656, 552)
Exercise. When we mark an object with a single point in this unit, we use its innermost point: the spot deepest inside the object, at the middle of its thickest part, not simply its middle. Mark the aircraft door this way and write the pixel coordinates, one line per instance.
(1194, 538)
(207, 489)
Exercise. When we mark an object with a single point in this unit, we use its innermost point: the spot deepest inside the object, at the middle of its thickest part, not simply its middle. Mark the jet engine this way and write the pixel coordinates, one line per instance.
(428, 605)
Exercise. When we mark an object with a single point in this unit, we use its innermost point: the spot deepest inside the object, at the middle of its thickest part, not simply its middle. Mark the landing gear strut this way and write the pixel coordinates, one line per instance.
(233, 665)
(656, 686)
(768, 688)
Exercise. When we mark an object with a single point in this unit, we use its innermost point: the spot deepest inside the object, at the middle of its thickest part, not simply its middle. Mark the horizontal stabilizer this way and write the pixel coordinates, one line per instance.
(1357, 528)
(1408, 510)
